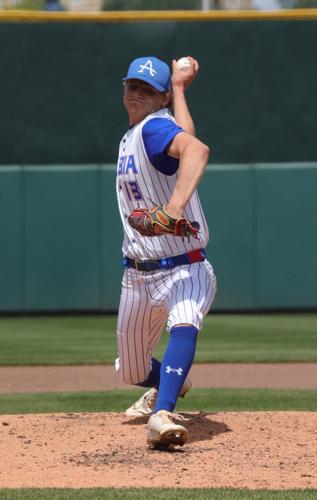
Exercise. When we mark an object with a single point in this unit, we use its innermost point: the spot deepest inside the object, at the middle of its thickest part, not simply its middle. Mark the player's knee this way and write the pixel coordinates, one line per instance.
(126, 376)
(132, 380)
(120, 371)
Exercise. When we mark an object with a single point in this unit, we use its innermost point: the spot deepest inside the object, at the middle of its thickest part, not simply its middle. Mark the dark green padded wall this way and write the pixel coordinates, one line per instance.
(62, 244)
(62, 238)
(11, 239)
(111, 234)
(255, 98)
(227, 196)
(287, 235)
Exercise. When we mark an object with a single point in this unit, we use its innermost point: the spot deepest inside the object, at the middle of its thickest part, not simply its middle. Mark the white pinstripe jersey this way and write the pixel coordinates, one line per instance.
(140, 184)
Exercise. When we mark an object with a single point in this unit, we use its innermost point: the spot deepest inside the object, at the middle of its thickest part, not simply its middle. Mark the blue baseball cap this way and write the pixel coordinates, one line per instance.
(152, 71)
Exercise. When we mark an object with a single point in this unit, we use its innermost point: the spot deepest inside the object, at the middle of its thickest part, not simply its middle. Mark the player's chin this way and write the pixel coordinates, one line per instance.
(134, 107)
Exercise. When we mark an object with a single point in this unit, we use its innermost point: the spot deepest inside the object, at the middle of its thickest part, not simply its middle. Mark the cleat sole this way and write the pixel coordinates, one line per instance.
(176, 438)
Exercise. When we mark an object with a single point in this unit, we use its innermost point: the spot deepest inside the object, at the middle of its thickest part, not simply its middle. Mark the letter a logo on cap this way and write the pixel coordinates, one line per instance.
(148, 66)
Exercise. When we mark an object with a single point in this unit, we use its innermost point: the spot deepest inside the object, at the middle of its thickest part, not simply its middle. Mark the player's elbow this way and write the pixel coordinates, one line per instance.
(204, 152)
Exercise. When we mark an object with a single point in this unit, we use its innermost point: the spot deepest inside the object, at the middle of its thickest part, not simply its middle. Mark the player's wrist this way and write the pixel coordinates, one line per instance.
(174, 210)
(178, 88)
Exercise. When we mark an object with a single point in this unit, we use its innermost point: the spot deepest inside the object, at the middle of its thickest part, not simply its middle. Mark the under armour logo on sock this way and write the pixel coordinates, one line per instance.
(179, 370)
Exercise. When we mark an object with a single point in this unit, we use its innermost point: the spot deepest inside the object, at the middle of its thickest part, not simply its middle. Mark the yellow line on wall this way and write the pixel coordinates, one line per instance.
(172, 15)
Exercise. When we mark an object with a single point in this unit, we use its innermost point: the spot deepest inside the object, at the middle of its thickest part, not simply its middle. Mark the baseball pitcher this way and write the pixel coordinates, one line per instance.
(167, 279)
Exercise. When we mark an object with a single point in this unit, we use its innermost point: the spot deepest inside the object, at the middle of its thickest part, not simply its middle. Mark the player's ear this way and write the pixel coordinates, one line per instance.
(167, 100)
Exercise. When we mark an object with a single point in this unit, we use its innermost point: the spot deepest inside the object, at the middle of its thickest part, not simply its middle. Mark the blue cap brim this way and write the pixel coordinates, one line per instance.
(144, 78)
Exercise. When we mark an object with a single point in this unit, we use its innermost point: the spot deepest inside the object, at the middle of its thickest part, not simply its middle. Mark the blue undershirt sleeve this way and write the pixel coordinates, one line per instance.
(157, 135)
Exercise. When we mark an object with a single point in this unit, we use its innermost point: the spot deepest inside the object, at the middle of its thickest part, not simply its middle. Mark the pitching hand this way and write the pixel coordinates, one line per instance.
(184, 77)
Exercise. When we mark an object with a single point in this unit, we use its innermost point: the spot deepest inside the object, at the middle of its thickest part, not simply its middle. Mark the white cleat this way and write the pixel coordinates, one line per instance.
(163, 432)
(145, 405)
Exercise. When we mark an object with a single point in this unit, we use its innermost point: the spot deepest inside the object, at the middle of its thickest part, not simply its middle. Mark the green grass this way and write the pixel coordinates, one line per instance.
(208, 400)
(156, 494)
(224, 338)
(57, 340)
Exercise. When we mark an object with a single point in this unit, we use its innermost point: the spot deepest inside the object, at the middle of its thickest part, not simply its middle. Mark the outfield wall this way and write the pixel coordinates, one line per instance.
(61, 236)
(254, 100)
(254, 103)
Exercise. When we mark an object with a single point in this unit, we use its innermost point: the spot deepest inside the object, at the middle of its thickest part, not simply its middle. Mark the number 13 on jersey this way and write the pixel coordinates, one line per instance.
(133, 190)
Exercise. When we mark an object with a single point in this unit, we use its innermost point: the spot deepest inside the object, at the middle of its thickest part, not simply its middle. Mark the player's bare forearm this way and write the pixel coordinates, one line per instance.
(181, 111)
(181, 79)
(193, 156)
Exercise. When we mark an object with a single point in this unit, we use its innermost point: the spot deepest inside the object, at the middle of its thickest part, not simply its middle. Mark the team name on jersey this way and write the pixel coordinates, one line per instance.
(126, 164)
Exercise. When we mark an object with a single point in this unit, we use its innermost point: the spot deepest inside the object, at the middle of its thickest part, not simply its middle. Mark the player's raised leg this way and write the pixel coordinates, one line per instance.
(139, 327)
(140, 324)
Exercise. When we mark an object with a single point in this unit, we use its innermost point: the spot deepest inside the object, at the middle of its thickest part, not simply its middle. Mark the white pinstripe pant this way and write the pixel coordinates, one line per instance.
(182, 295)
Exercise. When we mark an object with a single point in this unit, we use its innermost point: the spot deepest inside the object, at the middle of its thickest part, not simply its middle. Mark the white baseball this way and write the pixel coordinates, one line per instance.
(183, 63)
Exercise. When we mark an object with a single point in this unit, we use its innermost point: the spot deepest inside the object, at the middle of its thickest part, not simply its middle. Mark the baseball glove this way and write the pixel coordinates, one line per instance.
(155, 221)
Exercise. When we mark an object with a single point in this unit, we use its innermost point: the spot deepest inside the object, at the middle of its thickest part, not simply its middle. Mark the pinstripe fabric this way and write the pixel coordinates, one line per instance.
(149, 301)
(140, 184)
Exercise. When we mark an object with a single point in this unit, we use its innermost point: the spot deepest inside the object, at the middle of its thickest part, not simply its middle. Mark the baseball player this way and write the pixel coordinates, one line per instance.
(167, 279)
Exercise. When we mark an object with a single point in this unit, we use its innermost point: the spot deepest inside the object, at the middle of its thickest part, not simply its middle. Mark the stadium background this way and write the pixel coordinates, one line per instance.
(62, 118)
(60, 122)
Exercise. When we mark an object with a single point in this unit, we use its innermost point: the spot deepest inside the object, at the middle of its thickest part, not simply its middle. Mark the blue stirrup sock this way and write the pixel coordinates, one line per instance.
(176, 363)
(153, 379)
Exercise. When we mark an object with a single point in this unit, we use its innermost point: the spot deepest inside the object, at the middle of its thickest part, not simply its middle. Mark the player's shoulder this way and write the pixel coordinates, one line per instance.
(158, 121)
(162, 116)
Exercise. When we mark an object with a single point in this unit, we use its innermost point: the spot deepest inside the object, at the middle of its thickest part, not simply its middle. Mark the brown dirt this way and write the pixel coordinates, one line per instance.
(238, 450)
(103, 377)
(275, 450)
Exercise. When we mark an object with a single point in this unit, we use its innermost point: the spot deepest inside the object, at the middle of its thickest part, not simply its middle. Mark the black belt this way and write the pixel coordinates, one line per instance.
(167, 263)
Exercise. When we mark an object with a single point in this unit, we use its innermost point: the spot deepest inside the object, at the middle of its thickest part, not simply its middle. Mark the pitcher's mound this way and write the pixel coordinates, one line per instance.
(239, 450)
